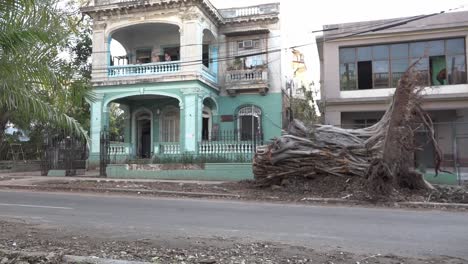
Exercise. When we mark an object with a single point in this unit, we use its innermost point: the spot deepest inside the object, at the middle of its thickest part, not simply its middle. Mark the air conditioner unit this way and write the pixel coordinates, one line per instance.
(248, 44)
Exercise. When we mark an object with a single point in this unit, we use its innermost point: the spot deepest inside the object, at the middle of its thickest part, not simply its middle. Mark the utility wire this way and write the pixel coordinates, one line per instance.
(384, 26)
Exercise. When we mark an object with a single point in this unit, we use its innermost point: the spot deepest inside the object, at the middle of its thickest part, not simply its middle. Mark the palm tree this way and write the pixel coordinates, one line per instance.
(30, 33)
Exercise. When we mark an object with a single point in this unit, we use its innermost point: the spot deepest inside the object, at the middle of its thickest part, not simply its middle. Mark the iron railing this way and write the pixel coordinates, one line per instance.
(64, 153)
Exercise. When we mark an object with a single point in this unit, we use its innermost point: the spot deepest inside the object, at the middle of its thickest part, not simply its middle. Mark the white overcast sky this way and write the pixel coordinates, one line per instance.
(300, 17)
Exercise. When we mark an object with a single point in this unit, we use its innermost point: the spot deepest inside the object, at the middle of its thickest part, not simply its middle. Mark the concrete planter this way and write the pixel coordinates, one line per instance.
(208, 171)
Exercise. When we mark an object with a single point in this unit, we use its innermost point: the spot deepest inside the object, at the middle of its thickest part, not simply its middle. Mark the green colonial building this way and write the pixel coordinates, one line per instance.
(188, 77)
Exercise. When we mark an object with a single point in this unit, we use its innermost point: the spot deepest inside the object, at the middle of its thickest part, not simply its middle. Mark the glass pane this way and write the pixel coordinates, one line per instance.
(380, 52)
(347, 55)
(417, 49)
(348, 76)
(381, 74)
(456, 68)
(399, 68)
(456, 46)
(423, 67)
(364, 54)
(436, 47)
(438, 70)
(399, 51)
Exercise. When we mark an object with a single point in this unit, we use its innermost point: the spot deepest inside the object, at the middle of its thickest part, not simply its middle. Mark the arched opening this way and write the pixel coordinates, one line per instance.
(208, 127)
(249, 123)
(209, 53)
(145, 43)
(147, 123)
(144, 124)
(170, 125)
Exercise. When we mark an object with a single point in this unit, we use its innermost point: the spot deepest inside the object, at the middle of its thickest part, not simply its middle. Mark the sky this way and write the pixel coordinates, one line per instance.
(300, 17)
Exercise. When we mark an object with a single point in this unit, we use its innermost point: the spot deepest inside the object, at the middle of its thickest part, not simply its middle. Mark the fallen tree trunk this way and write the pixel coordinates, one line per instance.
(382, 153)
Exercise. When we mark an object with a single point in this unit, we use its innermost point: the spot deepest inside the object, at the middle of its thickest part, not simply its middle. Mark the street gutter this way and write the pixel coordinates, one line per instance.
(305, 200)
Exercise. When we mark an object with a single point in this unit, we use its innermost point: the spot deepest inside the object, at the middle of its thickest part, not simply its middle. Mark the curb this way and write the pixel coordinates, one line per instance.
(94, 260)
(117, 190)
(331, 201)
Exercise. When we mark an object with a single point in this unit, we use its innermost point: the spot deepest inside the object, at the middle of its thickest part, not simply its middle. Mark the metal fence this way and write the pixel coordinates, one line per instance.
(230, 146)
(452, 138)
(64, 153)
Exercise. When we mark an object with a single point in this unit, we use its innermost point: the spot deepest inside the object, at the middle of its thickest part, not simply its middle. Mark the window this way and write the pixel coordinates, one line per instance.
(348, 76)
(170, 125)
(249, 123)
(174, 53)
(143, 56)
(441, 62)
(456, 69)
(399, 67)
(381, 74)
(362, 123)
(206, 55)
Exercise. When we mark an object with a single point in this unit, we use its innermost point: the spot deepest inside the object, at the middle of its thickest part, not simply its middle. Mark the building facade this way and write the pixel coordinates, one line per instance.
(362, 62)
(190, 71)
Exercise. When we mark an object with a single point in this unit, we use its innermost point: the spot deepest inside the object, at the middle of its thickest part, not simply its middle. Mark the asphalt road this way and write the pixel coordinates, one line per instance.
(356, 230)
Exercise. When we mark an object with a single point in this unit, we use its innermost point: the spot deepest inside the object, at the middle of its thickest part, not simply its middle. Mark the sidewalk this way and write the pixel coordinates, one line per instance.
(35, 178)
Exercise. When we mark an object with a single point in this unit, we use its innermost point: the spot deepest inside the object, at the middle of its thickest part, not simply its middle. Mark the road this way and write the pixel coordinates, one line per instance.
(356, 230)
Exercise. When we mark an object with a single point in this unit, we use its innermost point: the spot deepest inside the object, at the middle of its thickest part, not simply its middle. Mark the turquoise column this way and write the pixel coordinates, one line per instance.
(190, 136)
(96, 125)
(182, 126)
(192, 119)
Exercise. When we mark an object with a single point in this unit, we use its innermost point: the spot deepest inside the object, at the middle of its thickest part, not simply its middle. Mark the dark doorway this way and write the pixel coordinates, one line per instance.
(365, 75)
(206, 128)
(206, 55)
(249, 127)
(145, 139)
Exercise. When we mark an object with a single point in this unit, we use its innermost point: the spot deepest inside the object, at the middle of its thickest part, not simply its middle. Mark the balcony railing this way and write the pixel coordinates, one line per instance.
(246, 76)
(169, 148)
(111, 2)
(208, 74)
(267, 9)
(119, 149)
(144, 69)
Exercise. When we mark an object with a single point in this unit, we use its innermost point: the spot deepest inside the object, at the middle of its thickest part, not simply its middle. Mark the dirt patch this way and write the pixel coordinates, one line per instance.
(291, 190)
(20, 236)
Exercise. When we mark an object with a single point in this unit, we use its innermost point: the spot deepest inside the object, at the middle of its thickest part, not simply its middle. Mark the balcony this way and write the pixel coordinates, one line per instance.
(247, 80)
(245, 12)
(144, 69)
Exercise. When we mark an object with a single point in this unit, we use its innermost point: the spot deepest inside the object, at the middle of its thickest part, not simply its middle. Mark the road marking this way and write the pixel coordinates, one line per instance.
(36, 206)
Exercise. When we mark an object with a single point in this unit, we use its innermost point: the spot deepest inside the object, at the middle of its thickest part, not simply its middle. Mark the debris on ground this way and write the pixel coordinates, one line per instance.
(24, 237)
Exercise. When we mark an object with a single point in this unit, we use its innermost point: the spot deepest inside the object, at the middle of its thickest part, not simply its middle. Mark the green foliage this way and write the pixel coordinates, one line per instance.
(37, 88)
(116, 122)
(303, 108)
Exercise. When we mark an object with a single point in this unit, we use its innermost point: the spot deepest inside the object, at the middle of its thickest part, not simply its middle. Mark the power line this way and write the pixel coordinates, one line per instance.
(382, 26)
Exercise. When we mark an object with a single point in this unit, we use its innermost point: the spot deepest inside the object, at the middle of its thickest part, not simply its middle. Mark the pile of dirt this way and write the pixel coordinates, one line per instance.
(294, 189)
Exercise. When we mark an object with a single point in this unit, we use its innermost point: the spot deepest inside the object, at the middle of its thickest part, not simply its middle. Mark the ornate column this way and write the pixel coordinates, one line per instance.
(101, 51)
(192, 117)
(96, 124)
(191, 40)
(214, 58)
